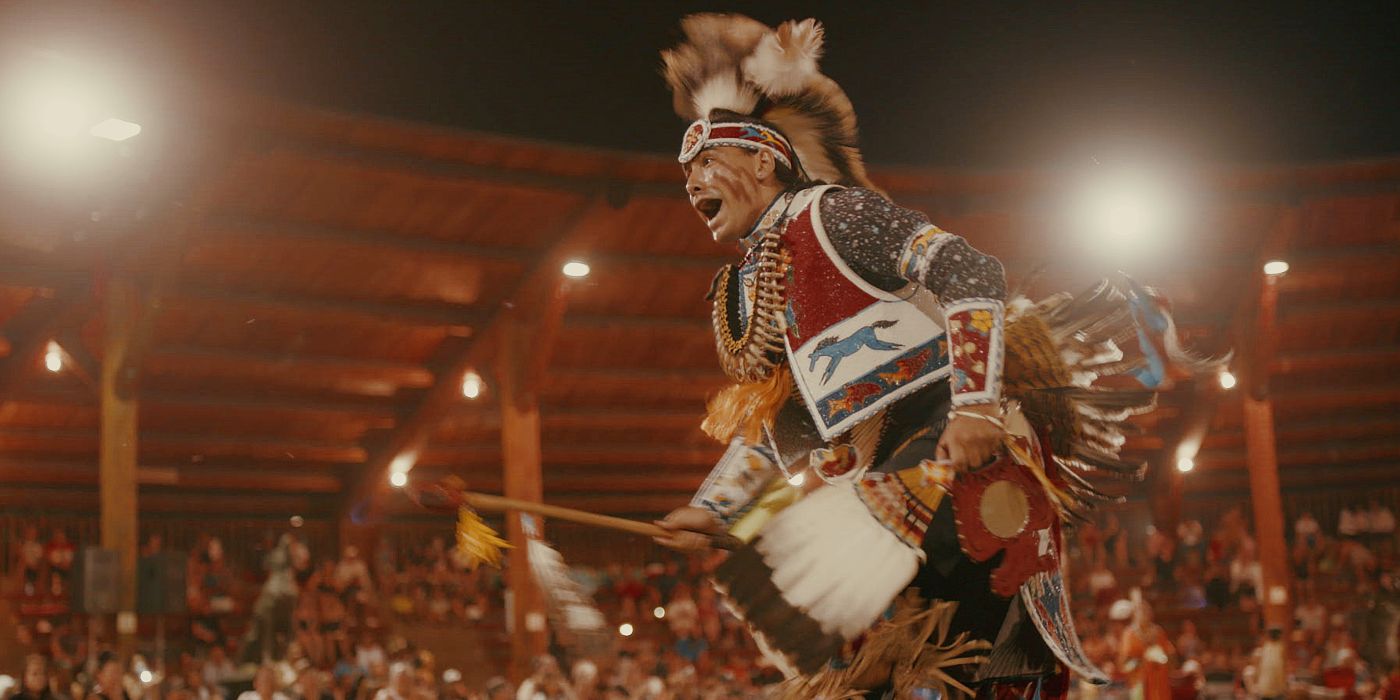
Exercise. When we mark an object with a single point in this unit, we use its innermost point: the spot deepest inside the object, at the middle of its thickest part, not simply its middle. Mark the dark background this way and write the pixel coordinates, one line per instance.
(961, 84)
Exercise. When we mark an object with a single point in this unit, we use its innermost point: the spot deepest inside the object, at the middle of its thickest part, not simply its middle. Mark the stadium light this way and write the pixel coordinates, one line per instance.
(577, 269)
(53, 357)
(471, 384)
(1227, 380)
(114, 129)
(1128, 213)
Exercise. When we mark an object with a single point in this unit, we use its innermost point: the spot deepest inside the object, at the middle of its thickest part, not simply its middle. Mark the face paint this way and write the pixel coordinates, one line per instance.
(726, 192)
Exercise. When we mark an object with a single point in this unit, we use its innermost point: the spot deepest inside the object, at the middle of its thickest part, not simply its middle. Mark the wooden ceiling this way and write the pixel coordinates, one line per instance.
(315, 285)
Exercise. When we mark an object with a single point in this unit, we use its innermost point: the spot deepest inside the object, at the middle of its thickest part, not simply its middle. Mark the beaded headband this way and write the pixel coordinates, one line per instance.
(702, 134)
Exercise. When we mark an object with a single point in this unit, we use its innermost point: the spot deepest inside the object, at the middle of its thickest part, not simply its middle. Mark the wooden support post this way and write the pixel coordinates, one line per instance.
(1262, 455)
(520, 447)
(117, 452)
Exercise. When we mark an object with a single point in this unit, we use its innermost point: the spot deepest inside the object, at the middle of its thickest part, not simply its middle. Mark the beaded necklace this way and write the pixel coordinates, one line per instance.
(750, 353)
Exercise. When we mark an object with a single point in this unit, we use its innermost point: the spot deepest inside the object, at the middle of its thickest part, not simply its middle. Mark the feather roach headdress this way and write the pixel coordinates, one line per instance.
(731, 64)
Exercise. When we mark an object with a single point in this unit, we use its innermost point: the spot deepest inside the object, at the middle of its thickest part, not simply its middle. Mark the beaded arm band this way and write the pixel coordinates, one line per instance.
(736, 481)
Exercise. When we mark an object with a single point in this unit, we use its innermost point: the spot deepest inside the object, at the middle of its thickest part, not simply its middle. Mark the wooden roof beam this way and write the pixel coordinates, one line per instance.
(407, 312)
(412, 434)
(244, 227)
(1313, 362)
(379, 410)
(82, 473)
(271, 447)
(406, 373)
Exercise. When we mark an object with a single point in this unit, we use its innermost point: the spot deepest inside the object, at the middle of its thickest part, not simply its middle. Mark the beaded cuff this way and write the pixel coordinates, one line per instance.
(976, 346)
(736, 481)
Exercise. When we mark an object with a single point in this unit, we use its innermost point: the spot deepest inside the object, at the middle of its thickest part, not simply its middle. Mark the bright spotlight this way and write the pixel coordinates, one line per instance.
(471, 385)
(53, 357)
(1227, 380)
(1274, 268)
(577, 269)
(114, 129)
(404, 462)
(398, 479)
(1185, 464)
(658, 612)
(1127, 215)
(797, 479)
(625, 629)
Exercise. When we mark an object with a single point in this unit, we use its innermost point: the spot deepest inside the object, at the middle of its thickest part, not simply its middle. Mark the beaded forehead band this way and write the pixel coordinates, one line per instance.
(702, 134)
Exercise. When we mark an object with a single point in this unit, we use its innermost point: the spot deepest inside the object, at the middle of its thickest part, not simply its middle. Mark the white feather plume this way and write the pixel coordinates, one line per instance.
(723, 91)
(785, 61)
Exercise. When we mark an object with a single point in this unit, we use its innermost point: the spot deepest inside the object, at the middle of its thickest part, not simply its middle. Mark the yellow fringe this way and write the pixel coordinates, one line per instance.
(742, 410)
(477, 543)
(1062, 501)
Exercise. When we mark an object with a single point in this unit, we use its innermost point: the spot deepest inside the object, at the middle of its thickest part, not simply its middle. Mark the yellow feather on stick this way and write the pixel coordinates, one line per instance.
(477, 543)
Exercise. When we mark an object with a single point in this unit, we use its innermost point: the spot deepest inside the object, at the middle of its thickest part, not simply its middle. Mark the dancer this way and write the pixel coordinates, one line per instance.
(876, 356)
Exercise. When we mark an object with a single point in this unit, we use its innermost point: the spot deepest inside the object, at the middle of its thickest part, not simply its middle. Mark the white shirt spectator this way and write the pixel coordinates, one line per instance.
(1247, 573)
(1312, 617)
(253, 695)
(1271, 681)
(367, 656)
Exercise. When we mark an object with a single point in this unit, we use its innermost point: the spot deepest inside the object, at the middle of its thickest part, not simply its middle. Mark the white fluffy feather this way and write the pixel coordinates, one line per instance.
(724, 92)
(785, 61)
(831, 558)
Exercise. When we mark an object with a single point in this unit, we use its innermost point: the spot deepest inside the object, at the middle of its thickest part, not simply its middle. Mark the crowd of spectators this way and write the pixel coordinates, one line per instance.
(342, 643)
(676, 640)
(1207, 637)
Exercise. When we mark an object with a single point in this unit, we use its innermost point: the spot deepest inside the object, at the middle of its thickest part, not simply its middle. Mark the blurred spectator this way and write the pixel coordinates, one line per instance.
(351, 576)
(218, 668)
(264, 686)
(1349, 523)
(1144, 654)
(29, 560)
(34, 683)
(1307, 530)
(368, 652)
(311, 685)
(1270, 679)
(401, 684)
(682, 615)
(546, 682)
(59, 553)
(499, 688)
(1188, 643)
(108, 679)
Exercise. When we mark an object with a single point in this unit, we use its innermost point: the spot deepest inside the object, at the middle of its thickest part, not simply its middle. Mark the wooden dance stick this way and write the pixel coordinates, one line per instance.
(499, 504)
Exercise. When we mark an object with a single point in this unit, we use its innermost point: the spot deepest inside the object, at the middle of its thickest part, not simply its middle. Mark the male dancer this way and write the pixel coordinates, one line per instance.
(872, 353)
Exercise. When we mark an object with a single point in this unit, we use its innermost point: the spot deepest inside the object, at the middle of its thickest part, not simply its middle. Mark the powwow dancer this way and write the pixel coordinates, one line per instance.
(946, 430)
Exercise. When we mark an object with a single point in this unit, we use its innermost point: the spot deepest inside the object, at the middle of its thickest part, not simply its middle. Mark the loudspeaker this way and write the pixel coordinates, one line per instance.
(160, 584)
(98, 581)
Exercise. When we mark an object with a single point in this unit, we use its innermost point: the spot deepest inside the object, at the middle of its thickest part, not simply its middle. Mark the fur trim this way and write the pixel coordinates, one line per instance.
(704, 72)
(734, 63)
(786, 60)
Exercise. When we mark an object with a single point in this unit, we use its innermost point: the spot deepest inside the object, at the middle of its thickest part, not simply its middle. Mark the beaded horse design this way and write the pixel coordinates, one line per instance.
(838, 349)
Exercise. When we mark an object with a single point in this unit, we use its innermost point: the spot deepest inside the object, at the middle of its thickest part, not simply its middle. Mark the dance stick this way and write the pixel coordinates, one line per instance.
(498, 504)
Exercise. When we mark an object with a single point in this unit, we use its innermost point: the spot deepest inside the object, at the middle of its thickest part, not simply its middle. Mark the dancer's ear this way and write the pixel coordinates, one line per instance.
(765, 166)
